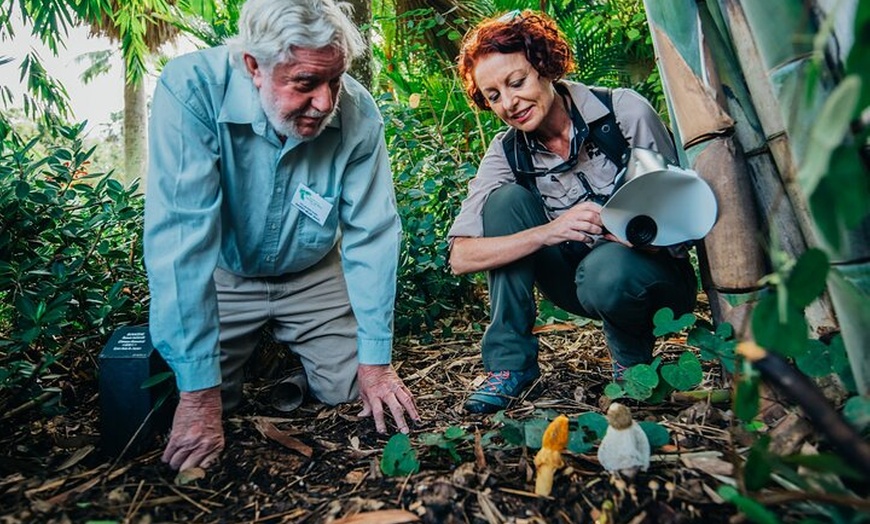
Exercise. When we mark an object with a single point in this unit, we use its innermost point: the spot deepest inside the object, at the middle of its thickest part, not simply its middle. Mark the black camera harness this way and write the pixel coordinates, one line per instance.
(603, 132)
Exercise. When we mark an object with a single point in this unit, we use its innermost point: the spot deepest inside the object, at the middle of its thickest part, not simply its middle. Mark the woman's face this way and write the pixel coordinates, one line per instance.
(516, 92)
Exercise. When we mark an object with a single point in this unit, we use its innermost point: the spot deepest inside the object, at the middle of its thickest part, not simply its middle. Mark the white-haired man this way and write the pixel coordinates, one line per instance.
(260, 153)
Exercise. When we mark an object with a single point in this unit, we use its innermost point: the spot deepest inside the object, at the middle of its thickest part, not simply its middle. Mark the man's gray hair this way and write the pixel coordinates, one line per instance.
(269, 29)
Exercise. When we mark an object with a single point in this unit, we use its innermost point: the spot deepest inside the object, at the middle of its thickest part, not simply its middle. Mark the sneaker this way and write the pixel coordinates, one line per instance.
(500, 389)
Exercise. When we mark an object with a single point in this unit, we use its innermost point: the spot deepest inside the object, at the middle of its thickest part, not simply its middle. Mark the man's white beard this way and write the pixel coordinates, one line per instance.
(288, 126)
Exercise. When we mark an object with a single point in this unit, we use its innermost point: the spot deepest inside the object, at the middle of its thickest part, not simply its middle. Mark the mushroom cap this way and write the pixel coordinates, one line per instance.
(619, 416)
(556, 434)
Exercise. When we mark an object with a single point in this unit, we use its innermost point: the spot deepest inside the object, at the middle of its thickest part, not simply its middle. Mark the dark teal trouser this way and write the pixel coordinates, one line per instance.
(620, 286)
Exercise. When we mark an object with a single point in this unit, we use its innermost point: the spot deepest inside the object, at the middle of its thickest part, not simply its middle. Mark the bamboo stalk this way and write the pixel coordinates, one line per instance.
(698, 105)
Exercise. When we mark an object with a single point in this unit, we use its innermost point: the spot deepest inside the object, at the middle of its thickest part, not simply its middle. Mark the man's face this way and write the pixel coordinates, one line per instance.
(300, 96)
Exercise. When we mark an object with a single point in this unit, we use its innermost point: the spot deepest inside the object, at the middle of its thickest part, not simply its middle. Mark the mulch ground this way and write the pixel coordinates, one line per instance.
(321, 464)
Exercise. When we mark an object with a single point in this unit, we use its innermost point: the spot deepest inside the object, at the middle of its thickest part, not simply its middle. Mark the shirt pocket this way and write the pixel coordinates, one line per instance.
(316, 236)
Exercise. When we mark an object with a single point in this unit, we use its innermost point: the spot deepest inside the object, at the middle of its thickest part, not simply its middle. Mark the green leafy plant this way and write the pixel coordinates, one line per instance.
(655, 381)
(70, 260)
(399, 457)
(451, 440)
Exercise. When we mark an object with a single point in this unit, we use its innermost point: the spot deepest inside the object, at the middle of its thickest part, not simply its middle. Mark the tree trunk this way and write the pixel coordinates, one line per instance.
(361, 69)
(699, 111)
(135, 134)
(449, 13)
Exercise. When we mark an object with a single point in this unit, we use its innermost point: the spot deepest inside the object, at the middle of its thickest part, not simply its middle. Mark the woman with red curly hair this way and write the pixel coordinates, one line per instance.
(532, 214)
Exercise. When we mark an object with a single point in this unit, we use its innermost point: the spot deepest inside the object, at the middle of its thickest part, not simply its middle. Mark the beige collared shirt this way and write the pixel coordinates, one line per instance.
(639, 123)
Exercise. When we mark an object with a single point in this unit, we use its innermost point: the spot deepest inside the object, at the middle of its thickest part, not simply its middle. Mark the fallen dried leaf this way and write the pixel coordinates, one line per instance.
(186, 476)
(268, 430)
(386, 516)
(553, 328)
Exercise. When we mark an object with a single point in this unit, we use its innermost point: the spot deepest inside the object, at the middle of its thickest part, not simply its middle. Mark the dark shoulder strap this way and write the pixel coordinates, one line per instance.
(518, 158)
(605, 132)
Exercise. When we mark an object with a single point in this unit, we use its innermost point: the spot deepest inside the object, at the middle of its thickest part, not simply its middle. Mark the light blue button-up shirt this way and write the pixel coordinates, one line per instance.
(220, 184)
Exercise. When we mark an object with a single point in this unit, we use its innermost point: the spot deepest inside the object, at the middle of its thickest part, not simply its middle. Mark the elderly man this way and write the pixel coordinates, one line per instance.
(270, 203)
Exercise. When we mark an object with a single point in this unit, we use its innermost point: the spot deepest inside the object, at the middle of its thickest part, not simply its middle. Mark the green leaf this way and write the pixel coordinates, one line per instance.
(661, 393)
(807, 279)
(594, 422)
(758, 468)
(22, 190)
(614, 391)
(685, 374)
(746, 400)
(664, 322)
(785, 336)
(857, 412)
(577, 442)
(657, 434)
(534, 432)
(825, 463)
(399, 458)
(153, 380)
(639, 381)
(513, 434)
(755, 511)
(828, 131)
(816, 360)
(718, 345)
(454, 433)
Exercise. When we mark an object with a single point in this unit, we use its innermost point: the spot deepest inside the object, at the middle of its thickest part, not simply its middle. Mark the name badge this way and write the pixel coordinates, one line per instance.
(311, 204)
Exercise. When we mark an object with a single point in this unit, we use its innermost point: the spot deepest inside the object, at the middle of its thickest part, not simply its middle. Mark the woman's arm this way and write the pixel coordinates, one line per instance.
(472, 254)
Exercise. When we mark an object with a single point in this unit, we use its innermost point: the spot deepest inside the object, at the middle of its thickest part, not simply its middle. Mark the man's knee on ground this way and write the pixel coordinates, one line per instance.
(334, 393)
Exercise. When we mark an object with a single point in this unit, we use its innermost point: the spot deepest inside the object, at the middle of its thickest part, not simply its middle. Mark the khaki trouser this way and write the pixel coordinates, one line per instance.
(309, 311)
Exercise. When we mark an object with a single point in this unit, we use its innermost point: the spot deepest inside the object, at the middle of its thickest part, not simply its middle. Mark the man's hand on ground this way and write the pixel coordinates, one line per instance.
(379, 385)
(197, 437)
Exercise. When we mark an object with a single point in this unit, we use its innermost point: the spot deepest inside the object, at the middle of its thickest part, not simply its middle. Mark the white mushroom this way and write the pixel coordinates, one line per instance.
(624, 448)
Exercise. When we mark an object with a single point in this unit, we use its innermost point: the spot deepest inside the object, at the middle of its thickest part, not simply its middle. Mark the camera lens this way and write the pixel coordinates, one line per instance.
(641, 230)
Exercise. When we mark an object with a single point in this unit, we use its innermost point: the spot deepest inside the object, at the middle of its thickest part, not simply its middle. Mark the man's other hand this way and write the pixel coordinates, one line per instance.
(197, 437)
(379, 385)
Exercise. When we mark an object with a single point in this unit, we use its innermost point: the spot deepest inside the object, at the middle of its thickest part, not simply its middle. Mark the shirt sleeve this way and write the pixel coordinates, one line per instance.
(641, 125)
(494, 171)
(371, 237)
(182, 237)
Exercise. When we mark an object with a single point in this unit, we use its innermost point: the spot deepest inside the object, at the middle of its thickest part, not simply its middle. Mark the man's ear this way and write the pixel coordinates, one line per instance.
(254, 69)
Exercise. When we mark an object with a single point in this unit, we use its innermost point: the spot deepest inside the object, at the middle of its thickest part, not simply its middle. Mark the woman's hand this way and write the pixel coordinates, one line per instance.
(581, 223)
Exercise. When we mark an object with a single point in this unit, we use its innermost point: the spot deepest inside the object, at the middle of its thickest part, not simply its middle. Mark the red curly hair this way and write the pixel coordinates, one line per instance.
(530, 32)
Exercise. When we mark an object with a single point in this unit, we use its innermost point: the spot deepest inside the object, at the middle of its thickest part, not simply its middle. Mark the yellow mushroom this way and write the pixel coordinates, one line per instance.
(549, 458)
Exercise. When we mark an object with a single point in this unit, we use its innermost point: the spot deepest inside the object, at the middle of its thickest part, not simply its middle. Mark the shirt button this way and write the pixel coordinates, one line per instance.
(573, 192)
(273, 226)
(279, 190)
(269, 258)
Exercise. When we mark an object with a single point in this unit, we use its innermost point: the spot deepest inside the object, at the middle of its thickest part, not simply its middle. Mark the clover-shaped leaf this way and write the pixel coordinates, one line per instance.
(594, 422)
(657, 434)
(665, 322)
(614, 391)
(399, 458)
(715, 345)
(639, 381)
(685, 374)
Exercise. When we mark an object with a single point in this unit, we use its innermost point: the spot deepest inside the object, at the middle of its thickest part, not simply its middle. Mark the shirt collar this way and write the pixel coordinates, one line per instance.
(589, 109)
